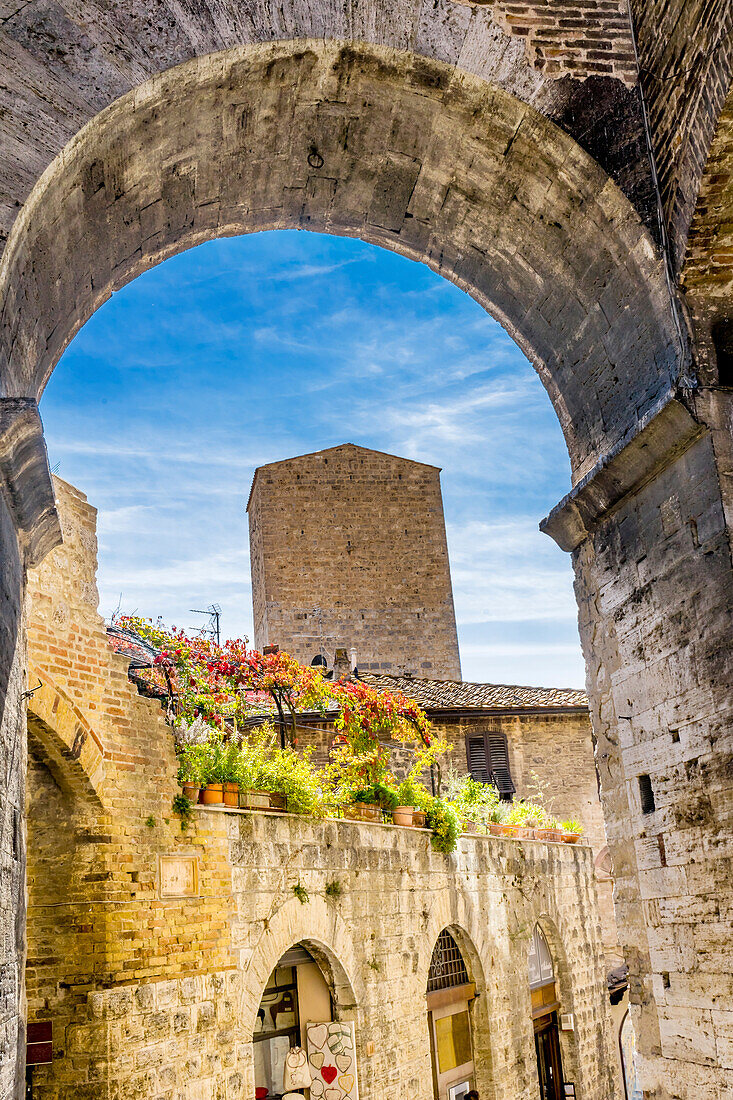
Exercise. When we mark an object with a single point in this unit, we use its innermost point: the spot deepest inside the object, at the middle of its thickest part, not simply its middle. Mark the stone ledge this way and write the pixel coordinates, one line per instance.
(281, 815)
(661, 436)
(26, 479)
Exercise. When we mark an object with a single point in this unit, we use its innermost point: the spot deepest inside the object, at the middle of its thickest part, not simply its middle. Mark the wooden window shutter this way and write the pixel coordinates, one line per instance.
(478, 764)
(497, 752)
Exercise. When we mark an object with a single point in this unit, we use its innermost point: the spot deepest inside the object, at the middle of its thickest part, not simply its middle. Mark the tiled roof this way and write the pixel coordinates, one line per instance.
(459, 695)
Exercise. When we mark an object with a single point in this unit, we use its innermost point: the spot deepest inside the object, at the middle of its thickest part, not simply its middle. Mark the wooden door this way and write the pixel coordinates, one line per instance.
(549, 1063)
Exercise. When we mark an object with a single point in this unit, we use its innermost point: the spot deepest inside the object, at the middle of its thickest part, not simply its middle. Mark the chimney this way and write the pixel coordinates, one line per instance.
(352, 655)
(341, 665)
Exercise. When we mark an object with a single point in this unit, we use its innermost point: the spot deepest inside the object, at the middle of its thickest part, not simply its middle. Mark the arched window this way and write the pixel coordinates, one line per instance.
(447, 968)
(449, 997)
(541, 967)
(545, 1007)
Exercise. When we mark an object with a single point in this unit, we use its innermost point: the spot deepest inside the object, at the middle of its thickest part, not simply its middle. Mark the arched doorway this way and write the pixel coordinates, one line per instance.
(545, 1007)
(450, 994)
(297, 1044)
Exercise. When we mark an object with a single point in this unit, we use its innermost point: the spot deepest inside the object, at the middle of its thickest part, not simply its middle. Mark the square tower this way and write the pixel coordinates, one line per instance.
(348, 550)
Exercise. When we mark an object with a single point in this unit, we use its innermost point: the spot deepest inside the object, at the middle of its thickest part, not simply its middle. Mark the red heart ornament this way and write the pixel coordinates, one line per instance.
(328, 1073)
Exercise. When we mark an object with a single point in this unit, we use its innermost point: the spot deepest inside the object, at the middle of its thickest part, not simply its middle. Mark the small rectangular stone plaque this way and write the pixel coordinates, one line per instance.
(178, 876)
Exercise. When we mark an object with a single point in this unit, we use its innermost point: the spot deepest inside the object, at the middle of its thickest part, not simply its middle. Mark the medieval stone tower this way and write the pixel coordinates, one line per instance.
(348, 549)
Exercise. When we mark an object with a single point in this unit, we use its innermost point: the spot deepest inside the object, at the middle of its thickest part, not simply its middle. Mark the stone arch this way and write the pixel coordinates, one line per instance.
(319, 928)
(453, 913)
(62, 738)
(567, 994)
(362, 141)
(326, 935)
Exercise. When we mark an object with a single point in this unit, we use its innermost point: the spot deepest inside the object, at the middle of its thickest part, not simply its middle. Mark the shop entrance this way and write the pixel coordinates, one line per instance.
(296, 995)
(450, 996)
(545, 1006)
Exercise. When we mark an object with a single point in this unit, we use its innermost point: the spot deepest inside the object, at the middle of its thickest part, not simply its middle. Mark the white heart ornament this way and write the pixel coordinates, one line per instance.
(343, 1061)
(316, 1060)
(318, 1035)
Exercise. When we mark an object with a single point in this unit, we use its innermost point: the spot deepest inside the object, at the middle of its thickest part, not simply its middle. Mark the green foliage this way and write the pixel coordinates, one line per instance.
(289, 773)
(407, 792)
(572, 826)
(150, 822)
(443, 820)
(301, 893)
(379, 794)
(471, 800)
(183, 806)
(334, 889)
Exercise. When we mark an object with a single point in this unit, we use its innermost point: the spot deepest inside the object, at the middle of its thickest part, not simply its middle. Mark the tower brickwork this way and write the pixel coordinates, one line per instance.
(348, 549)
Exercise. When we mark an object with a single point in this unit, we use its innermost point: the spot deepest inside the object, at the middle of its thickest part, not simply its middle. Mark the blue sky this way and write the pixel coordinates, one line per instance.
(253, 349)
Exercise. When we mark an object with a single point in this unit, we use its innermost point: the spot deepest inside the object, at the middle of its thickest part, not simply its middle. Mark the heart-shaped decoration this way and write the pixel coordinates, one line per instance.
(328, 1073)
(318, 1035)
(316, 1088)
(332, 1094)
(316, 1060)
(346, 1080)
(343, 1062)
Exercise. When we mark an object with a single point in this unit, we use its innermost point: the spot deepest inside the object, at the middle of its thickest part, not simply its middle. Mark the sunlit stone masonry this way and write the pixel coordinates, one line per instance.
(173, 964)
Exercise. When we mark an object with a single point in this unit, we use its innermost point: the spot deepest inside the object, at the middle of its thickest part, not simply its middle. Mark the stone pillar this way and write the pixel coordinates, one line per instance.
(28, 530)
(650, 531)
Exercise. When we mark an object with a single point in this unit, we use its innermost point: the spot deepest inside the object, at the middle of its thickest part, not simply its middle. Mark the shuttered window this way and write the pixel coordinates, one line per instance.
(488, 761)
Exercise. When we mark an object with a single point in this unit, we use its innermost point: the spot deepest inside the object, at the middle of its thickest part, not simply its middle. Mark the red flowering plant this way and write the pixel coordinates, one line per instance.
(365, 719)
(290, 685)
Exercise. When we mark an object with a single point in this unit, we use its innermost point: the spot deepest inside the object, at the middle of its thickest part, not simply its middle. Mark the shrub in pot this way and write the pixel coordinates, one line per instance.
(571, 831)
(191, 772)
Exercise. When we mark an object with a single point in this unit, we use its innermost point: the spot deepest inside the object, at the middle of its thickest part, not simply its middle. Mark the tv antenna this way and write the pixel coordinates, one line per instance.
(212, 630)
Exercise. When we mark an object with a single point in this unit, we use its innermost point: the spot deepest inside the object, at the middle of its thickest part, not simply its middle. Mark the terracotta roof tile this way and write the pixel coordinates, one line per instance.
(460, 695)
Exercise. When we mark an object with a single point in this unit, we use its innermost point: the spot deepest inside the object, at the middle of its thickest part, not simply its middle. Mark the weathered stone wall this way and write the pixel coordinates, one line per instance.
(156, 996)
(573, 59)
(552, 753)
(655, 588)
(349, 549)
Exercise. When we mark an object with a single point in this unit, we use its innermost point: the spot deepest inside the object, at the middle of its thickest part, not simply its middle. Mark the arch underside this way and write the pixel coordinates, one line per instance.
(361, 141)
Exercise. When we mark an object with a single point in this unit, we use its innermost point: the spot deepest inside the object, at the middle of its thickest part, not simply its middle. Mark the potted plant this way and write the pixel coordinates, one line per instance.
(571, 831)
(191, 772)
(407, 795)
(496, 818)
(549, 829)
(368, 803)
(255, 769)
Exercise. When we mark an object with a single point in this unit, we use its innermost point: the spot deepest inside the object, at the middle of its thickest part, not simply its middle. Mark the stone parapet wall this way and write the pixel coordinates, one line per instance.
(190, 1037)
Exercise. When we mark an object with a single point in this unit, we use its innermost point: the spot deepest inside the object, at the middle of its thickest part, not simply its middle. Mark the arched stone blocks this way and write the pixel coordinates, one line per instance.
(64, 740)
(364, 141)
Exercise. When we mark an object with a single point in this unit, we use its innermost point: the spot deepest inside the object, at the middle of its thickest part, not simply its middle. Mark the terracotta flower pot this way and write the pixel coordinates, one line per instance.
(496, 828)
(549, 834)
(212, 794)
(402, 815)
(419, 819)
(469, 827)
(570, 838)
(231, 794)
(191, 791)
